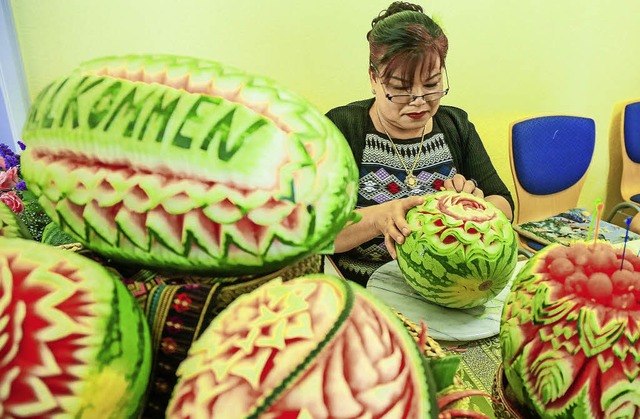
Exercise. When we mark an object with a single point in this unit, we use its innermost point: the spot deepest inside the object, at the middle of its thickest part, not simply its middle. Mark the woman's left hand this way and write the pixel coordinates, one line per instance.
(461, 184)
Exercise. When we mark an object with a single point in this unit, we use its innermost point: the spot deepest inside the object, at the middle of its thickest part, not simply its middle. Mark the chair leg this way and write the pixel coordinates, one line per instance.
(525, 252)
(620, 206)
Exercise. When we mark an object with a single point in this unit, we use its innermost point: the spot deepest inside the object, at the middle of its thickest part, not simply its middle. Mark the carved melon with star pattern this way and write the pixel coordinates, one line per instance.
(187, 164)
(74, 343)
(312, 347)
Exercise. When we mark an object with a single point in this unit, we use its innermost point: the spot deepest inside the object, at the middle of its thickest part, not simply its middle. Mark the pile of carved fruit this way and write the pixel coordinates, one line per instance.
(570, 332)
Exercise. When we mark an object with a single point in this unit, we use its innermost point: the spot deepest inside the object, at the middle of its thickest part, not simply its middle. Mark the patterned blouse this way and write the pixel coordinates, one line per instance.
(453, 146)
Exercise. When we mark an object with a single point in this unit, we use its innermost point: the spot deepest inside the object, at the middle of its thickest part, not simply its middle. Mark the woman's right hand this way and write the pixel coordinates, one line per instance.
(390, 220)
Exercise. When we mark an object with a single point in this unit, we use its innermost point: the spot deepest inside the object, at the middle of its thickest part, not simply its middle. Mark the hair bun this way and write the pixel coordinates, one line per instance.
(396, 7)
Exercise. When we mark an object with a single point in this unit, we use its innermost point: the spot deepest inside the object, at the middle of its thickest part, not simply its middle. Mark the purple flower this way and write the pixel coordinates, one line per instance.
(11, 161)
(21, 186)
(21, 145)
(5, 151)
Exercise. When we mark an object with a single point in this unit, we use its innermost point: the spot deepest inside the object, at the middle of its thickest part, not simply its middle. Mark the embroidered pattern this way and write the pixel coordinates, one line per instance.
(382, 179)
(382, 175)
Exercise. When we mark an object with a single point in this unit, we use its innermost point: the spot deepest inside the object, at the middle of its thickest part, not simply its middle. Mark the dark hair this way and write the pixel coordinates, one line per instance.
(402, 36)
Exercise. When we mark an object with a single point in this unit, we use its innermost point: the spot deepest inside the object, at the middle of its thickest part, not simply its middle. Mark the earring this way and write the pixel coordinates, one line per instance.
(373, 91)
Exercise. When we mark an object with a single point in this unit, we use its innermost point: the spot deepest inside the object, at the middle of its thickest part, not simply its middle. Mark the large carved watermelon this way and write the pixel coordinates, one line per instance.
(312, 347)
(461, 252)
(188, 164)
(570, 333)
(73, 341)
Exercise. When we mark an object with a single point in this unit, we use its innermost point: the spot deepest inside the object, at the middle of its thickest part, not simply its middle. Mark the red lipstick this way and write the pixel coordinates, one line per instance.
(416, 115)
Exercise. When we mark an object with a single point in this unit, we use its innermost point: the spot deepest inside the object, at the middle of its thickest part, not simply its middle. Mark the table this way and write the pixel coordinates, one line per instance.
(477, 342)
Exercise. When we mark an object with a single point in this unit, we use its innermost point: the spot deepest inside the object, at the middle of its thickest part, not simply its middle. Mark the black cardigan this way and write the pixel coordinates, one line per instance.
(468, 152)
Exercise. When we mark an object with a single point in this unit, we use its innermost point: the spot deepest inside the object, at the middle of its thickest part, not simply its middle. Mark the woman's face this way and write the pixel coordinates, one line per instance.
(406, 120)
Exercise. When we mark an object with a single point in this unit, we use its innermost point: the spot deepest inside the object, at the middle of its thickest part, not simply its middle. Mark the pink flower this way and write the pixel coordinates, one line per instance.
(8, 179)
(3, 164)
(13, 201)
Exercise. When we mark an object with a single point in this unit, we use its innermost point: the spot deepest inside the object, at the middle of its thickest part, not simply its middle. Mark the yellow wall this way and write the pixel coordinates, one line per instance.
(507, 60)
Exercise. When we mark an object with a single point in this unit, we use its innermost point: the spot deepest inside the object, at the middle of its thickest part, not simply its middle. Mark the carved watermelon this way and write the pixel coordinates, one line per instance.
(570, 333)
(461, 252)
(312, 347)
(11, 226)
(73, 341)
(188, 164)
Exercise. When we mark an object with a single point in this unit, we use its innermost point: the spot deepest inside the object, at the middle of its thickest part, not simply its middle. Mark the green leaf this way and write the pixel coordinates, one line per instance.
(443, 370)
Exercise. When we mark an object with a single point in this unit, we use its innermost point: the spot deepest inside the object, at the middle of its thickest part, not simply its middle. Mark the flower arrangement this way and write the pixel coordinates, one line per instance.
(15, 194)
(10, 182)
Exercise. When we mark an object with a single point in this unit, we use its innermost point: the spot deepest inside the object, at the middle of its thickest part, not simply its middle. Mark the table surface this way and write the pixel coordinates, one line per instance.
(458, 325)
(477, 342)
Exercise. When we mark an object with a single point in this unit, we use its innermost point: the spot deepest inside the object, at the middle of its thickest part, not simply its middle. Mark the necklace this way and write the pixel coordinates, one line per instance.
(411, 180)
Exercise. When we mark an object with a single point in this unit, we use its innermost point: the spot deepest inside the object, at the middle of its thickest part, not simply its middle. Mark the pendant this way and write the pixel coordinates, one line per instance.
(411, 181)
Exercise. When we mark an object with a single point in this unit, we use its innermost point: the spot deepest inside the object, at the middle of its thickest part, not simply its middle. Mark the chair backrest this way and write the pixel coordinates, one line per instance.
(550, 157)
(630, 179)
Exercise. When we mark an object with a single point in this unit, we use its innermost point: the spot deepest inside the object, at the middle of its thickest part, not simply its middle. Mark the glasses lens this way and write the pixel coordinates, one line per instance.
(429, 97)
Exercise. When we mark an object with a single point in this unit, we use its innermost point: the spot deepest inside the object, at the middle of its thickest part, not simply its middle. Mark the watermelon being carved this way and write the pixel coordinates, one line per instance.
(570, 333)
(188, 164)
(73, 341)
(461, 252)
(312, 347)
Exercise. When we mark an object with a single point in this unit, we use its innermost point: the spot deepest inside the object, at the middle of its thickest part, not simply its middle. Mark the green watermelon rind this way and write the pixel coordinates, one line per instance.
(449, 275)
(56, 110)
(54, 236)
(435, 278)
(109, 293)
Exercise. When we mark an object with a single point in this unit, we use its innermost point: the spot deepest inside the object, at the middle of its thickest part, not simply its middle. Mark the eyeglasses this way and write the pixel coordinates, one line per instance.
(427, 97)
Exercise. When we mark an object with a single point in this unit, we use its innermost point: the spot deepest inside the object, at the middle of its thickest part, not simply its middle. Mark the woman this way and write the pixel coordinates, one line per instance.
(406, 144)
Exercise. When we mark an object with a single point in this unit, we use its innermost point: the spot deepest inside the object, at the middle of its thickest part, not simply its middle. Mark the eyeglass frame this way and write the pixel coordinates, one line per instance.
(414, 97)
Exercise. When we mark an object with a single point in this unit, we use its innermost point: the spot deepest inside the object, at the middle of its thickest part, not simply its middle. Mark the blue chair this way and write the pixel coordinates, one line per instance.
(630, 143)
(550, 158)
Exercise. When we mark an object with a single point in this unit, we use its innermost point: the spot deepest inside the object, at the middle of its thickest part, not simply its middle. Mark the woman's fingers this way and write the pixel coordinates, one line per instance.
(478, 192)
(401, 216)
(391, 246)
(461, 184)
(468, 186)
(456, 183)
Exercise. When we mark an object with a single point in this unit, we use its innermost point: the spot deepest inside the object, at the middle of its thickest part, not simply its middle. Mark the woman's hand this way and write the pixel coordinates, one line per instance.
(461, 184)
(390, 219)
